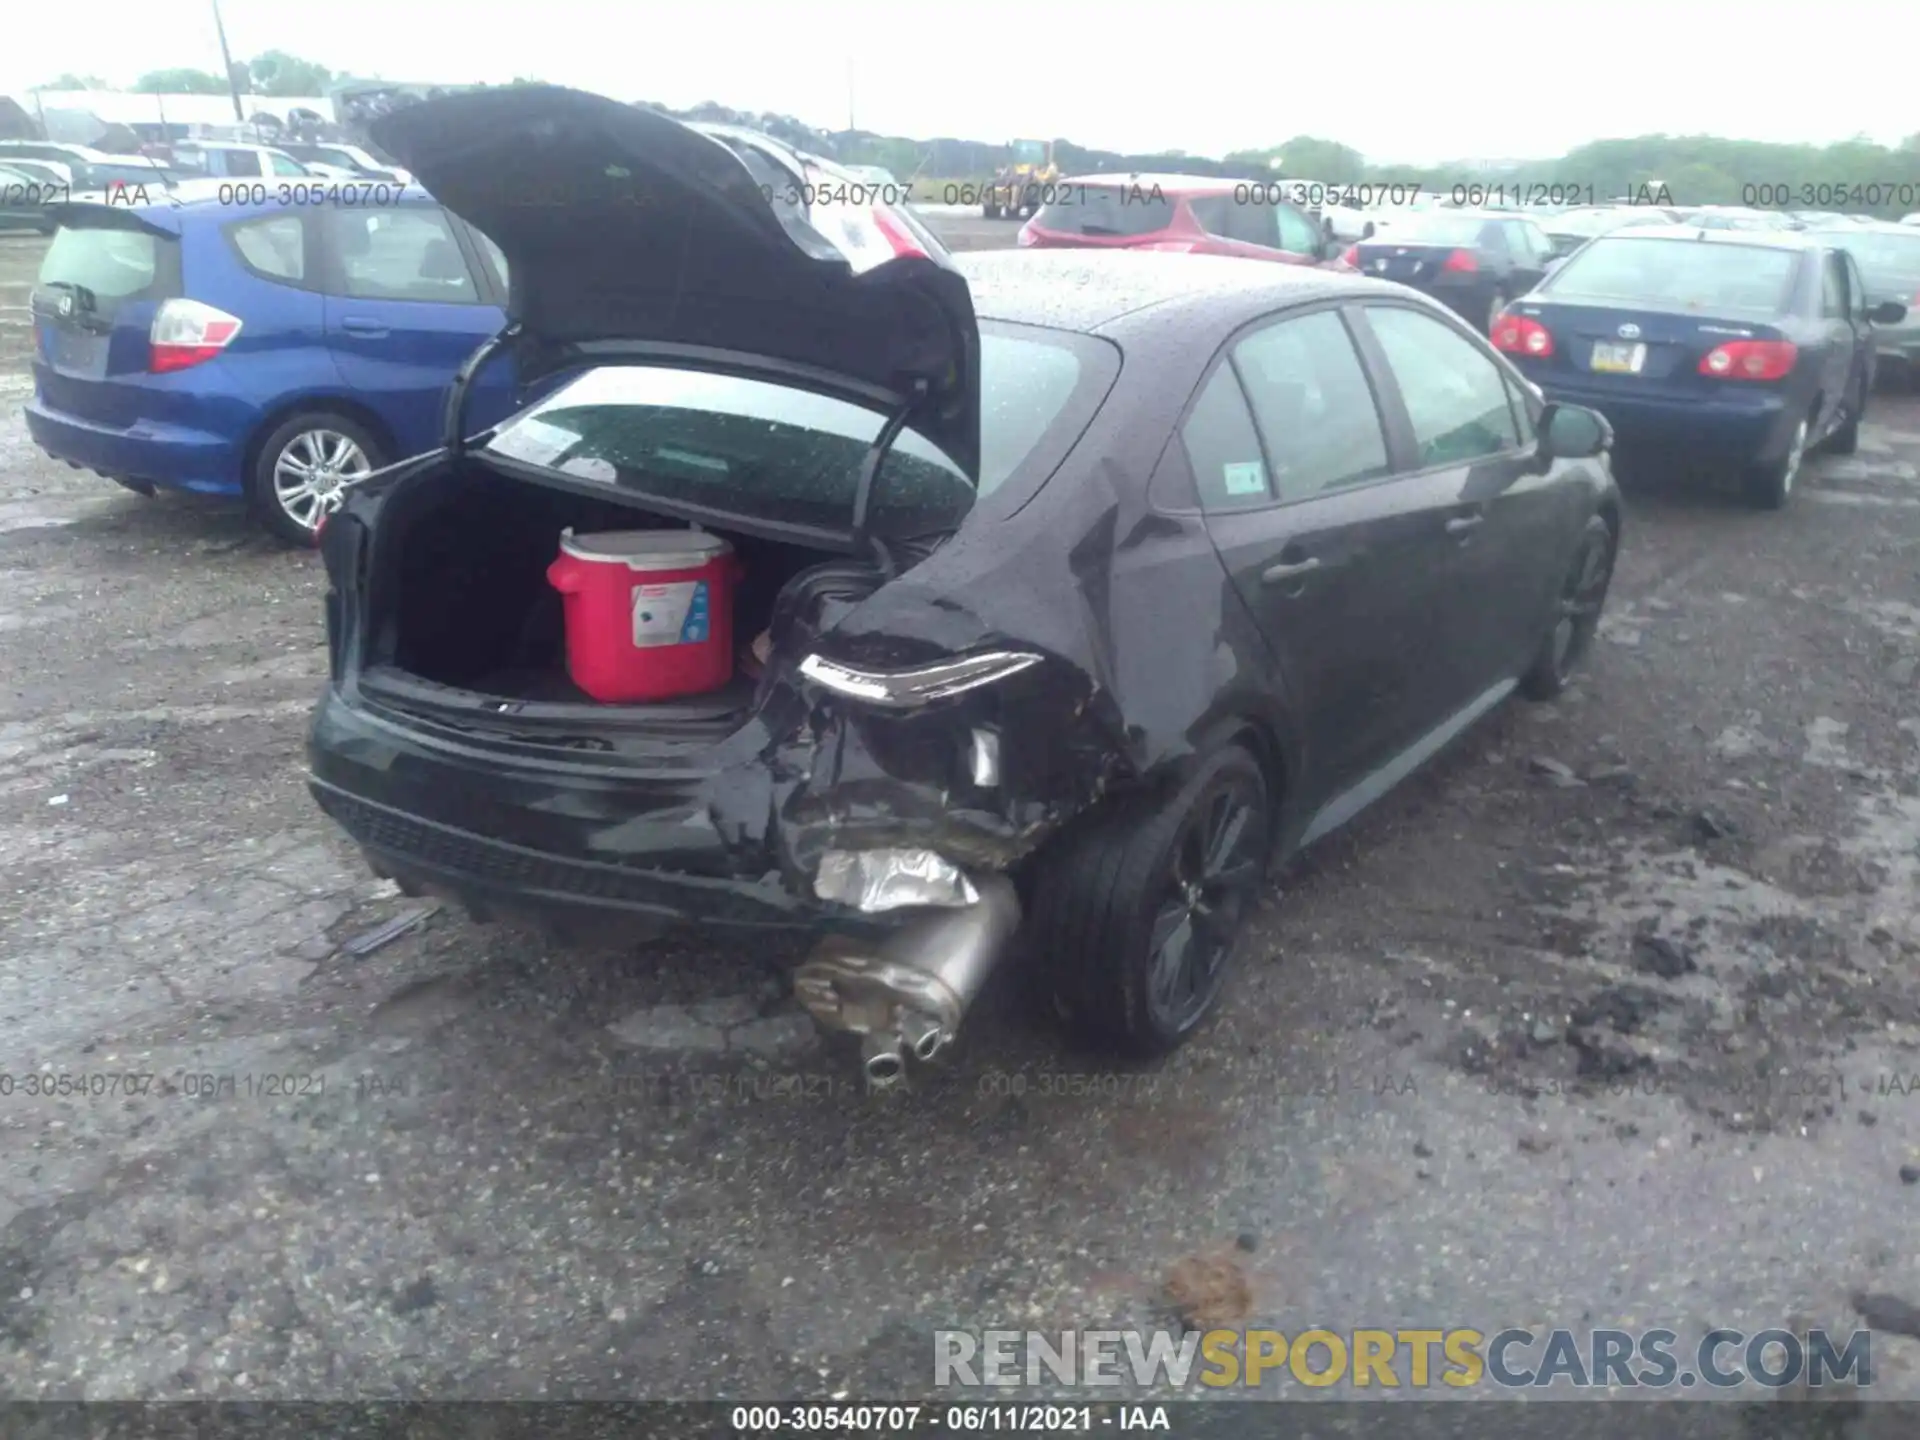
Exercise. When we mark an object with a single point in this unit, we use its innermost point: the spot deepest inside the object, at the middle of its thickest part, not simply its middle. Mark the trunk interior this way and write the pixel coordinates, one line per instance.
(464, 604)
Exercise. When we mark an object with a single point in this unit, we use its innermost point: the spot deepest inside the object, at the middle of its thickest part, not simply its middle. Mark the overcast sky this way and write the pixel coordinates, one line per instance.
(1399, 80)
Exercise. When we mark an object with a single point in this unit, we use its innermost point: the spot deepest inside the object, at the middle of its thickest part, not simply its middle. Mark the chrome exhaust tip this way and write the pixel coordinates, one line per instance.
(908, 994)
(923, 1037)
(882, 1063)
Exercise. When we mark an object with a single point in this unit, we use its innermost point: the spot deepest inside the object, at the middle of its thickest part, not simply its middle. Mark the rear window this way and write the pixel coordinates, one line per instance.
(789, 455)
(108, 264)
(1887, 261)
(1102, 210)
(1430, 227)
(151, 178)
(1677, 274)
(1599, 222)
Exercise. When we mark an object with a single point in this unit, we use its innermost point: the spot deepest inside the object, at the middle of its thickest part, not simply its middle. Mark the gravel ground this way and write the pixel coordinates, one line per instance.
(1609, 1017)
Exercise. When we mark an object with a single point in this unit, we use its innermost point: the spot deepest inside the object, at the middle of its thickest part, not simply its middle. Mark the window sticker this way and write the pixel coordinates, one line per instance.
(1248, 477)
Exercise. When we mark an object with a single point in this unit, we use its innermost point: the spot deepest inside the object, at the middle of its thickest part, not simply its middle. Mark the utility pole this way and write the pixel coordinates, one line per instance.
(226, 60)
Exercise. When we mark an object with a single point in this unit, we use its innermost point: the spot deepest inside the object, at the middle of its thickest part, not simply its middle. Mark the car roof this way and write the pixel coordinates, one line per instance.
(1765, 239)
(1087, 290)
(85, 152)
(197, 195)
(1165, 184)
(1461, 212)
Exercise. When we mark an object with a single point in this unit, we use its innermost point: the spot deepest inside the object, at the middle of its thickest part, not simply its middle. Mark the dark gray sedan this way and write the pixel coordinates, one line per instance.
(1074, 589)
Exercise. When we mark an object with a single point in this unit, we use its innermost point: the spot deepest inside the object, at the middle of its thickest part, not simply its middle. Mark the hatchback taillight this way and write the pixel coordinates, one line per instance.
(1351, 257)
(1518, 335)
(187, 332)
(1461, 262)
(1750, 360)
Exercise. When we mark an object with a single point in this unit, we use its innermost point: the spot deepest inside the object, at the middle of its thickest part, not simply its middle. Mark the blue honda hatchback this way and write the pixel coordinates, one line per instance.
(236, 340)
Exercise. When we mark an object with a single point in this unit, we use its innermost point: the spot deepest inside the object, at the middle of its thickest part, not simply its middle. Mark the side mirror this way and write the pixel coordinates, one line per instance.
(1887, 312)
(1573, 432)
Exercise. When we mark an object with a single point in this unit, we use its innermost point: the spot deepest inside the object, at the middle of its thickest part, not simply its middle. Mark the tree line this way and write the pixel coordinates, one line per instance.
(1854, 175)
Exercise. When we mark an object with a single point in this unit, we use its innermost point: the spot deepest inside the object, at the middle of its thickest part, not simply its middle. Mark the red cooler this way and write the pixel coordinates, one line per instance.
(649, 612)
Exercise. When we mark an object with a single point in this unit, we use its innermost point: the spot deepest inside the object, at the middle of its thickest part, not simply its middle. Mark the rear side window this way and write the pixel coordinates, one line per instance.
(1679, 274)
(240, 162)
(1456, 396)
(108, 264)
(1107, 210)
(275, 247)
(1314, 405)
(1223, 448)
(403, 254)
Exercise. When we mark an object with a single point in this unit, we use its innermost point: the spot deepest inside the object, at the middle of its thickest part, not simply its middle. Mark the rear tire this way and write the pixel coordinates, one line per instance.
(1137, 913)
(1576, 614)
(1846, 439)
(301, 468)
(1769, 487)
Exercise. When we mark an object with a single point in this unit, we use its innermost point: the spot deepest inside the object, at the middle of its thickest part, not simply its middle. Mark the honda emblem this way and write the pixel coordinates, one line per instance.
(1378, 265)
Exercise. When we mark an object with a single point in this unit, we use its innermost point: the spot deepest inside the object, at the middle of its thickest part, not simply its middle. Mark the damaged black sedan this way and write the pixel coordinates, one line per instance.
(919, 603)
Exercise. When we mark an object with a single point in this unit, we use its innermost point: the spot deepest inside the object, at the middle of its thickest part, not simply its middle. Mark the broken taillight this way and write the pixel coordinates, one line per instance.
(187, 332)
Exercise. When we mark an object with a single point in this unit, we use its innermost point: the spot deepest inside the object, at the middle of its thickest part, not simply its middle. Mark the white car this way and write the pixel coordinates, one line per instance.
(229, 160)
(1913, 219)
(349, 162)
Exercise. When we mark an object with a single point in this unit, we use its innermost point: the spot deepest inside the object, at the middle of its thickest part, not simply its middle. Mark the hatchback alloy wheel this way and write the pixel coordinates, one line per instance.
(312, 471)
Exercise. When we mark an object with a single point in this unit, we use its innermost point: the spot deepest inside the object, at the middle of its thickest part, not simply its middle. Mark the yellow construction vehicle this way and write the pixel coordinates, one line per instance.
(1020, 187)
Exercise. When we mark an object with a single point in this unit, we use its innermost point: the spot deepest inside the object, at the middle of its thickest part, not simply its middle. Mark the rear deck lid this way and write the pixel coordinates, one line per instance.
(1639, 312)
(1416, 250)
(107, 271)
(623, 226)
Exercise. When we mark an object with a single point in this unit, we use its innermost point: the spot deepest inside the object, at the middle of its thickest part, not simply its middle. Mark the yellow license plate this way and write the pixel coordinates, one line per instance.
(1612, 359)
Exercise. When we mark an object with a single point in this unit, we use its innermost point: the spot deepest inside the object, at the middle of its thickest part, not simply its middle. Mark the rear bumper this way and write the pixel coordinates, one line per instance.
(171, 456)
(545, 838)
(1752, 428)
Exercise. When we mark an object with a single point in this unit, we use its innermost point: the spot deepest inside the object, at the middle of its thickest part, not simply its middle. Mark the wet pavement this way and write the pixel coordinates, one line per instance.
(1608, 1018)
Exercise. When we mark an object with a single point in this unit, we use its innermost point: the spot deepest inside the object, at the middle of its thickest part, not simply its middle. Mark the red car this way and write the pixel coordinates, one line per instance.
(1191, 214)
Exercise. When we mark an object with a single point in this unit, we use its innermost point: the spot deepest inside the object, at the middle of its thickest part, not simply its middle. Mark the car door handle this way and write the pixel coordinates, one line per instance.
(372, 328)
(1287, 571)
(1465, 524)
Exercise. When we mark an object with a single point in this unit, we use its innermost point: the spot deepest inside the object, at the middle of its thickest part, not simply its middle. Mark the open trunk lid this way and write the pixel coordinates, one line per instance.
(630, 235)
